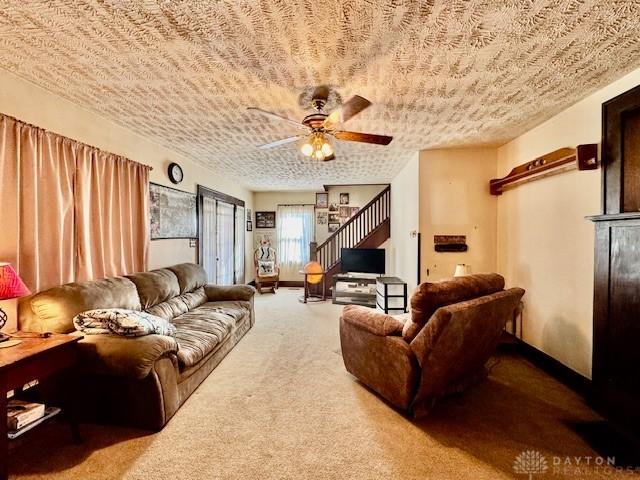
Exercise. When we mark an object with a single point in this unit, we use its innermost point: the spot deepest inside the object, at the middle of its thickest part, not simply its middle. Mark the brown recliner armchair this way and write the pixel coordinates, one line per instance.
(441, 348)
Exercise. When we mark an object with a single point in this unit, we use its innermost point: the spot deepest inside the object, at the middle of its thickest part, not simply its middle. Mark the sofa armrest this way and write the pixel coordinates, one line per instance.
(217, 293)
(124, 356)
(372, 321)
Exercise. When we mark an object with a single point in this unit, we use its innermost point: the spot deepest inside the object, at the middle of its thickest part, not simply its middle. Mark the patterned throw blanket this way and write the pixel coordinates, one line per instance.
(128, 323)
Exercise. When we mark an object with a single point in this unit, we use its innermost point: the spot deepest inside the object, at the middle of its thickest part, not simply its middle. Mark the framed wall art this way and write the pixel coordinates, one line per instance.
(265, 219)
(173, 213)
(322, 200)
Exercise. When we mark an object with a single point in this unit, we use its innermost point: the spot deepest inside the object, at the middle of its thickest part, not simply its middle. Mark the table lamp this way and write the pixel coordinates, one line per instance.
(462, 270)
(11, 286)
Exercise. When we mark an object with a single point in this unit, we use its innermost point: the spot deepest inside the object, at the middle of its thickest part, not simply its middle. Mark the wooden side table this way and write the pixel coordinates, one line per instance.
(33, 359)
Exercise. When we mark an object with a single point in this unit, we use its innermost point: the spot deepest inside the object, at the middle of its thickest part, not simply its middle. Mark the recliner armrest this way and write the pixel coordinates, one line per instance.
(372, 321)
(124, 356)
(218, 293)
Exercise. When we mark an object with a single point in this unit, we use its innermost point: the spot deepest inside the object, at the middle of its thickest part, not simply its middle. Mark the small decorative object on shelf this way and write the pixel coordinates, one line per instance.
(391, 295)
(584, 157)
(462, 270)
(11, 286)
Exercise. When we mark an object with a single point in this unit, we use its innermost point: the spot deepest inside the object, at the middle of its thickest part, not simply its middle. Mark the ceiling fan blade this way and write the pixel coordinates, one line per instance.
(363, 137)
(277, 143)
(275, 116)
(347, 110)
(329, 158)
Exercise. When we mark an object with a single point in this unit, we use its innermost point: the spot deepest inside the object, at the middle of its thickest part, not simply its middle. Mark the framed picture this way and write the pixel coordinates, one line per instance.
(249, 214)
(322, 218)
(334, 218)
(322, 200)
(344, 212)
(353, 211)
(333, 207)
(333, 227)
(344, 199)
(249, 226)
(172, 213)
(265, 219)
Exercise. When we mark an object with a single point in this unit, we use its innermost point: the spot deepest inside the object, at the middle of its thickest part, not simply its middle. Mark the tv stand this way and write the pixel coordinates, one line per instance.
(354, 289)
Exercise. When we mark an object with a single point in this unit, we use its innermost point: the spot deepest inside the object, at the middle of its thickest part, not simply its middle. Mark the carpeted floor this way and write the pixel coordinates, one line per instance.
(281, 406)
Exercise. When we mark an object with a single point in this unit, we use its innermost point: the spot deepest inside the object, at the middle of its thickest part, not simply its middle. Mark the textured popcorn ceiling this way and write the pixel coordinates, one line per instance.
(440, 73)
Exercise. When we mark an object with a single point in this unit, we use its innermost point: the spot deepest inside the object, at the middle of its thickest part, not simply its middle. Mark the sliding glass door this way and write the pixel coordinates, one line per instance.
(221, 237)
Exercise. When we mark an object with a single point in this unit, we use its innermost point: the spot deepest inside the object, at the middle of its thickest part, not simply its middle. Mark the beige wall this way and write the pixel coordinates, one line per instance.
(29, 103)
(455, 200)
(269, 201)
(402, 251)
(545, 245)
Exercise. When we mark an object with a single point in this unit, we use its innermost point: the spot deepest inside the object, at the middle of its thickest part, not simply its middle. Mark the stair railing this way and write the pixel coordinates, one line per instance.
(356, 230)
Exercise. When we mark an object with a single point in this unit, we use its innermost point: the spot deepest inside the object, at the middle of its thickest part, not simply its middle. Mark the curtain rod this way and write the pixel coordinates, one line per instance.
(296, 205)
(64, 137)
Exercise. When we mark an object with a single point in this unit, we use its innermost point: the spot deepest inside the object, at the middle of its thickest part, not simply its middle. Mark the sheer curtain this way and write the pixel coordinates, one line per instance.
(68, 211)
(295, 230)
(208, 236)
(224, 243)
(239, 250)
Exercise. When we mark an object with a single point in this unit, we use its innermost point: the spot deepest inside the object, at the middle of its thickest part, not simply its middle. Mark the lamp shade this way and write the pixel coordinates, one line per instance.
(11, 285)
(462, 270)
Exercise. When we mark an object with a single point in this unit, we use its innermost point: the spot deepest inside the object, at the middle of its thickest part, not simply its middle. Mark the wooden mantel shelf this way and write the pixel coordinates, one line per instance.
(584, 157)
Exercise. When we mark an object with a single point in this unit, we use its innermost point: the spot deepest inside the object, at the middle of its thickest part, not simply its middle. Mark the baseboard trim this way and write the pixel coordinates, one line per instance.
(572, 379)
(290, 283)
(282, 283)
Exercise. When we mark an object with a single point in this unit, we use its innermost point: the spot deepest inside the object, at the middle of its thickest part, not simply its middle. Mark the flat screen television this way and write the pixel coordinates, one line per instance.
(363, 260)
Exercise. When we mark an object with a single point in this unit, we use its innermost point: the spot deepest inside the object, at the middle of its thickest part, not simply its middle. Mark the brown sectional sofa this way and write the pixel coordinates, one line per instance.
(143, 381)
(441, 348)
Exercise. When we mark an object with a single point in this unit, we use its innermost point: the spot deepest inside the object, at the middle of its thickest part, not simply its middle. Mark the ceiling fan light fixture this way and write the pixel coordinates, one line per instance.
(307, 149)
(327, 149)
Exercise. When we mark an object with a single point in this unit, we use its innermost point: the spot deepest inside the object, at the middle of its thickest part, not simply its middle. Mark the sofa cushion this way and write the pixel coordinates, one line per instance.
(53, 310)
(235, 308)
(178, 305)
(201, 330)
(428, 297)
(190, 276)
(156, 286)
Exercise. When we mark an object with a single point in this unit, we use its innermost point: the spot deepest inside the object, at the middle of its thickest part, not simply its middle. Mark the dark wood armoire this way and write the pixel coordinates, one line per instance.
(616, 316)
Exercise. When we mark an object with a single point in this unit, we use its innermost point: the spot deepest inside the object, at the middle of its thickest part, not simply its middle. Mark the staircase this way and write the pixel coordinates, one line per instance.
(369, 228)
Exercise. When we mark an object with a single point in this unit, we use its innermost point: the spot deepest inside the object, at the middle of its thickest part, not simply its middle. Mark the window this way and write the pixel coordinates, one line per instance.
(295, 224)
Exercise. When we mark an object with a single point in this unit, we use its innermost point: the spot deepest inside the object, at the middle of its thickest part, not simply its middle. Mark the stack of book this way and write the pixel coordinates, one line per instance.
(23, 415)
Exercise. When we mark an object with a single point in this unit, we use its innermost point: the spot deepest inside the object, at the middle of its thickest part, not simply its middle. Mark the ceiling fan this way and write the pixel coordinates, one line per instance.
(319, 126)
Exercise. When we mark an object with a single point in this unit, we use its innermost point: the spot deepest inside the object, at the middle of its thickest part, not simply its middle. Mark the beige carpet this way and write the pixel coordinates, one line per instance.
(281, 406)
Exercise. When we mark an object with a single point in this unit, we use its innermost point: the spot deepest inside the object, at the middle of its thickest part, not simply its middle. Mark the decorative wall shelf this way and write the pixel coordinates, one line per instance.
(584, 157)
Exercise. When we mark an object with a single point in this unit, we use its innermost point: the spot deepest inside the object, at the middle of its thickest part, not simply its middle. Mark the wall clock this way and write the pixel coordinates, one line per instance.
(175, 173)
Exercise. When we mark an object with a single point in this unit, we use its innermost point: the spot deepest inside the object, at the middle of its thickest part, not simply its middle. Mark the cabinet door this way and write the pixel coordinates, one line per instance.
(616, 361)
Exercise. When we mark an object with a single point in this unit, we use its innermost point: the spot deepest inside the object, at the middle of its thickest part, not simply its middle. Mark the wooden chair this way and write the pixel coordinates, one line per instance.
(266, 280)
